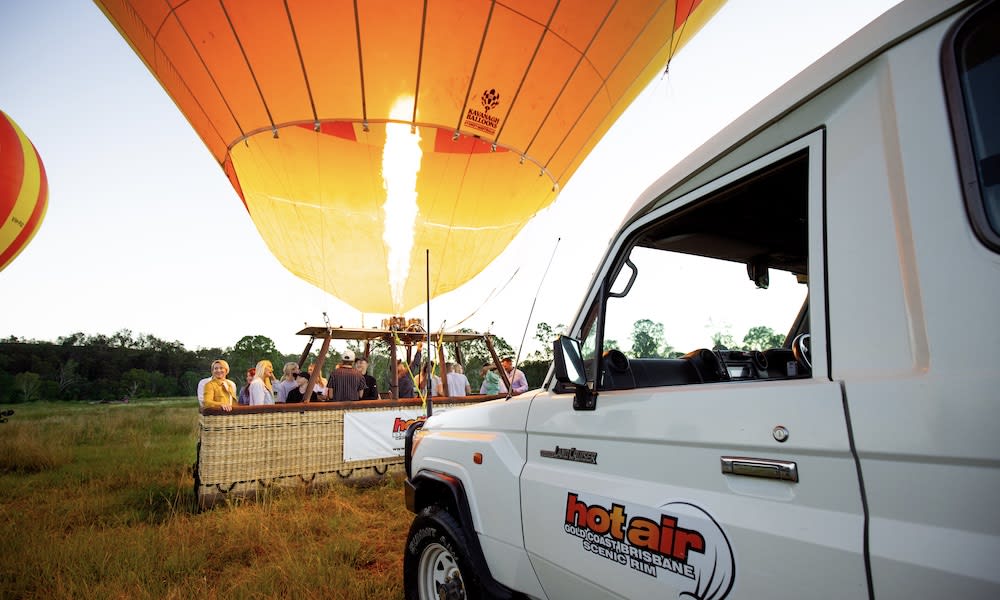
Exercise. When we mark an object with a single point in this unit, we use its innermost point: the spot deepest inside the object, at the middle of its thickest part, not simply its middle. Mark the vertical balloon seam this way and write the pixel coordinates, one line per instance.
(475, 66)
(444, 246)
(302, 65)
(33, 222)
(527, 69)
(420, 62)
(26, 168)
(246, 60)
(602, 87)
(211, 77)
(361, 69)
(10, 133)
(569, 77)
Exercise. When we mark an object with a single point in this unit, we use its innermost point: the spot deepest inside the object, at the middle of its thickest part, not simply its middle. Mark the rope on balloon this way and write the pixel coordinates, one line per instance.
(680, 35)
(420, 393)
(493, 293)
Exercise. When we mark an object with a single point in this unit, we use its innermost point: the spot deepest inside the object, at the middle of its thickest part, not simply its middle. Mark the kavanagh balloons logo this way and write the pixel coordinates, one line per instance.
(679, 544)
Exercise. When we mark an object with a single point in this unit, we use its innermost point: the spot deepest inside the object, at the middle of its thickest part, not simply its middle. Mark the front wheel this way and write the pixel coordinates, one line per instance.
(436, 562)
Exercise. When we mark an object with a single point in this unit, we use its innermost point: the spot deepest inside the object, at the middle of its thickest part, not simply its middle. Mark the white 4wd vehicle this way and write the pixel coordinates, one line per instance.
(858, 459)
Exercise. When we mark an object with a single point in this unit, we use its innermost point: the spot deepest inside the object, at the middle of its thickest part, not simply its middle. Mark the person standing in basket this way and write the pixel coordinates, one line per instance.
(458, 383)
(403, 377)
(371, 386)
(345, 382)
(518, 382)
(298, 394)
(492, 384)
(219, 391)
(262, 387)
(245, 390)
(287, 382)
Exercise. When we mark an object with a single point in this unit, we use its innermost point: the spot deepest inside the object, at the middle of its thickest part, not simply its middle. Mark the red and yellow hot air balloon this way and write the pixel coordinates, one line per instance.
(24, 190)
(360, 132)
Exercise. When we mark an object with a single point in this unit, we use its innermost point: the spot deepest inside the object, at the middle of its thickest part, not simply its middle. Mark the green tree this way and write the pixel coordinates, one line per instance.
(252, 349)
(189, 381)
(134, 383)
(122, 339)
(475, 354)
(724, 339)
(73, 339)
(545, 334)
(68, 376)
(27, 384)
(762, 337)
(648, 340)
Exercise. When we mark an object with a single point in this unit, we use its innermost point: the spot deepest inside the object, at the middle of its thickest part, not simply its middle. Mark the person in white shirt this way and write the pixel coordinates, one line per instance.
(262, 387)
(458, 383)
(201, 391)
(287, 382)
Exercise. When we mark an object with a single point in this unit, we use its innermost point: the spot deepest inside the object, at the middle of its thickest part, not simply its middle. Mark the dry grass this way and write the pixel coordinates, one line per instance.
(96, 502)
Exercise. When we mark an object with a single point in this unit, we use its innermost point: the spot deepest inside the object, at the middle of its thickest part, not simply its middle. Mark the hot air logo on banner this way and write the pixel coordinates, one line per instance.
(381, 434)
(679, 542)
(481, 120)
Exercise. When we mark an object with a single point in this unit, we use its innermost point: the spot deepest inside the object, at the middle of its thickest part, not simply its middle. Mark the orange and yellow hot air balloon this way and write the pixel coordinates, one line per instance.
(360, 132)
(24, 190)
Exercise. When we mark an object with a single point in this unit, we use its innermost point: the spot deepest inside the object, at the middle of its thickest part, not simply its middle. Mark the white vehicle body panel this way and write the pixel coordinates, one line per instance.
(496, 430)
(892, 433)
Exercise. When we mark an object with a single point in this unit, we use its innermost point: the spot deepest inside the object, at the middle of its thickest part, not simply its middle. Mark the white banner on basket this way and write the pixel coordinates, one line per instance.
(378, 434)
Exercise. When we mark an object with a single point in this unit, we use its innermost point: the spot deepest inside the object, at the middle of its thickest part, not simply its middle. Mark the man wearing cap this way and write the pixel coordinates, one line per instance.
(345, 383)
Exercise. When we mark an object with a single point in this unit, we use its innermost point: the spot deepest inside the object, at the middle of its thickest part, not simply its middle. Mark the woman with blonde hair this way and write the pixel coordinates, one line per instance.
(262, 387)
(219, 391)
(287, 382)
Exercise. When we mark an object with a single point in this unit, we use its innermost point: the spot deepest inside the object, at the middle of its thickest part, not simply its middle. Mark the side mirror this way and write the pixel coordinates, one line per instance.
(570, 369)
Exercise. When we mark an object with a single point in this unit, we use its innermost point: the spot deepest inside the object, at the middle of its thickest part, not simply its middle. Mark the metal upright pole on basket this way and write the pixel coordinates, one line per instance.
(427, 275)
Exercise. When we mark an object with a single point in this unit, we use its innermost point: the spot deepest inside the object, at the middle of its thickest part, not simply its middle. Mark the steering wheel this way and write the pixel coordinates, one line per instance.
(800, 350)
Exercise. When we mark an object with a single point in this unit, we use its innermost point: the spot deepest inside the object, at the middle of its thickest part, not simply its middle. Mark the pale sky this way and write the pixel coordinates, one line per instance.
(144, 231)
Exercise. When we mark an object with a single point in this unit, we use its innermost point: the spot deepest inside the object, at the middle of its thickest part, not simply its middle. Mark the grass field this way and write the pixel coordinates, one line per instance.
(96, 501)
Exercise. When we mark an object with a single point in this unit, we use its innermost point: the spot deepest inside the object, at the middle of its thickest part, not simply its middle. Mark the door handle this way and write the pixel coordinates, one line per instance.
(760, 467)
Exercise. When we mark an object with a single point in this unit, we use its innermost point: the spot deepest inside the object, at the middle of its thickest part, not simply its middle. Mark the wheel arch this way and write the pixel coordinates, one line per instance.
(430, 488)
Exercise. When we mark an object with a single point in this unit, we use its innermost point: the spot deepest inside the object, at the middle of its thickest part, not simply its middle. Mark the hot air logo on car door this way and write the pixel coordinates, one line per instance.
(679, 542)
(482, 120)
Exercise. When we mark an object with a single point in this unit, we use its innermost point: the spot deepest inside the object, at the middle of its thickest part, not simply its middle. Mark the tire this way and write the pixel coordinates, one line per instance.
(436, 562)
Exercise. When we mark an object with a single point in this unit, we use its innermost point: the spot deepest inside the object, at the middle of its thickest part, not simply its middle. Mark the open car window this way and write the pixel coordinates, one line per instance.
(716, 291)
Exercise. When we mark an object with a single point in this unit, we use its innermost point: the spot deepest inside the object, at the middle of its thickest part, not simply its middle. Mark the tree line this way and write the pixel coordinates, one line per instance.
(102, 367)
(127, 365)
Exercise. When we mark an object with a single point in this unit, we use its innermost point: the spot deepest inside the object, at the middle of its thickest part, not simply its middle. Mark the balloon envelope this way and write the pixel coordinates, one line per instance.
(360, 133)
(24, 190)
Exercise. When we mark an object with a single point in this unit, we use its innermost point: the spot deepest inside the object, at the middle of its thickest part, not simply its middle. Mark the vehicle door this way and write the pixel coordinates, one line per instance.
(712, 464)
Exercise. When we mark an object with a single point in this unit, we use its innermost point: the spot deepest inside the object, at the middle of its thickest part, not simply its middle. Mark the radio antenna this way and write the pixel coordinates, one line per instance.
(517, 360)
(427, 355)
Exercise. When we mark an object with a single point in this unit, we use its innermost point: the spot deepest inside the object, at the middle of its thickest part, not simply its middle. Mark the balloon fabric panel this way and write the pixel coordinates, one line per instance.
(23, 190)
(359, 134)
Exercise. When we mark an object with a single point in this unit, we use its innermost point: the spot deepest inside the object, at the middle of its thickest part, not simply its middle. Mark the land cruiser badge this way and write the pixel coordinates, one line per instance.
(584, 456)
